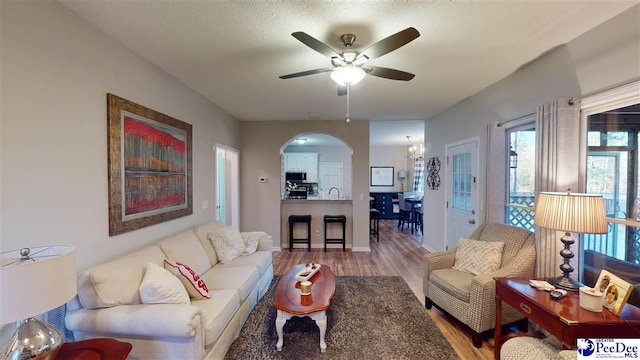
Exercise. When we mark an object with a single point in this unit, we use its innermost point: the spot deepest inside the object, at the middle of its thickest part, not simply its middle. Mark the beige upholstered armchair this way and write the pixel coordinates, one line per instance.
(471, 298)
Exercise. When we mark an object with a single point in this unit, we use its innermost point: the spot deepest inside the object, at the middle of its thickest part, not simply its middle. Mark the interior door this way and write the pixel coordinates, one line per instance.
(462, 190)
(227, 199)
(330, 177)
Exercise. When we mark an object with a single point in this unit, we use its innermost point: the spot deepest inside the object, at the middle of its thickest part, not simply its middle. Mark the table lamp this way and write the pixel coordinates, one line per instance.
(570, 212)
(33, 281)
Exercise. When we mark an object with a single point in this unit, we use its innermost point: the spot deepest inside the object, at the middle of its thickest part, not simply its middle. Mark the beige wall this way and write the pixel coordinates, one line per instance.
(601, 58)
(396, 156)
(56, 71)
(261, 143)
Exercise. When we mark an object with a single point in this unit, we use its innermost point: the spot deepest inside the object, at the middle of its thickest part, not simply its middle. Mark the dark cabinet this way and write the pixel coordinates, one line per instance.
(387, 204)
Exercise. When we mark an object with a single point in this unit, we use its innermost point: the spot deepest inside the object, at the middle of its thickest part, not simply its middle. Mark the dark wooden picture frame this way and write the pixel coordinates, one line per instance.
(149, 166)
(381, 176)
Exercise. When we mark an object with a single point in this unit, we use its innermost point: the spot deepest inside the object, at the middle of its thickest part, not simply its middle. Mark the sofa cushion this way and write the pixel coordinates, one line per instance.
(159, 286)
(240, 278)
(478, 257)
(202, 232)
(454, 282)
(228, 243)
(185, 248)
(217, 312)
(117, 282)
(260, 259)
(195, 285)
(251, 240)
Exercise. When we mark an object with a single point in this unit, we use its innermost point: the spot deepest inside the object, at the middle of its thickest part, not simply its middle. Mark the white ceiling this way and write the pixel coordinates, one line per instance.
(232, 52)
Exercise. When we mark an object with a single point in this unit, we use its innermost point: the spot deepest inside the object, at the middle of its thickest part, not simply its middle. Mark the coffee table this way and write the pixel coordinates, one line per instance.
(289, 302)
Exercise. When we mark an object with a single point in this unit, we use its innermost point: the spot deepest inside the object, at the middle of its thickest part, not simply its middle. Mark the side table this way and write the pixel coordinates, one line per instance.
(563, 318)
(94, 349)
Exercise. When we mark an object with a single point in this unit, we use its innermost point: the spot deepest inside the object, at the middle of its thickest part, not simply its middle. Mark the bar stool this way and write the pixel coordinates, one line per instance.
(300, 219)
(338, 219)
(374, 218)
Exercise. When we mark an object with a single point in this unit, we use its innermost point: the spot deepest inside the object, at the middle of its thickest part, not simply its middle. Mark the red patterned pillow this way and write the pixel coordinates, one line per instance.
(194, 284)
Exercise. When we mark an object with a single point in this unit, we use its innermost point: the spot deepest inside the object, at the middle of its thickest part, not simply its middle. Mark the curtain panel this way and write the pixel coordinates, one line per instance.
(557, 169)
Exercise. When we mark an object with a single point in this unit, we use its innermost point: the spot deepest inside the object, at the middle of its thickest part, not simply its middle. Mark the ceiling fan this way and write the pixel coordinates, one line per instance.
(349, 67)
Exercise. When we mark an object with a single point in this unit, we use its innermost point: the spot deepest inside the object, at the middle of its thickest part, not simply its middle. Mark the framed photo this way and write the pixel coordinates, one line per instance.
(382, 176)
(616, 291)
(149, 166)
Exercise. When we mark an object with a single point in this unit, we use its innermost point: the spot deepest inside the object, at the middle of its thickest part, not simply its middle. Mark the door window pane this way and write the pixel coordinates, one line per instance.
(462, 179)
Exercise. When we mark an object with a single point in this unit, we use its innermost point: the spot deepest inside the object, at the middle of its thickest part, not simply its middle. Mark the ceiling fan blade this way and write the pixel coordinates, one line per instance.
(390, 43)
(342, 90)
(315, 44)
(305, 73)
(387, 73)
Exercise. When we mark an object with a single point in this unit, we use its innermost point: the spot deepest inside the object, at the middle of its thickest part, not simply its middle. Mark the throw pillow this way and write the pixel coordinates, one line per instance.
(251, 240)
(159, 286)
(194, 284)
(228, 243)
(478, 257)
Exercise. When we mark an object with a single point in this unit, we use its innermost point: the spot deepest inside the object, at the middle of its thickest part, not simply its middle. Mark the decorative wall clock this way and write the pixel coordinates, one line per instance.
(433, 170)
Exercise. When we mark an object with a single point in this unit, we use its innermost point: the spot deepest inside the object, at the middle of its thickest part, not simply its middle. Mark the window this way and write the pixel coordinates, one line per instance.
(613, 170)
(521, 173)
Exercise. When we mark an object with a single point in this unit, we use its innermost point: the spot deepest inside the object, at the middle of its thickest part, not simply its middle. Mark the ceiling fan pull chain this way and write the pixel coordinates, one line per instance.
(348, 94)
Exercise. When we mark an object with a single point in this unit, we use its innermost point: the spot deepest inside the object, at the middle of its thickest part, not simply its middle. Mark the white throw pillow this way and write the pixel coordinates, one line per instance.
(194, 284)
(251, 240)
(159, 286)
(228, 243)
(478, 257)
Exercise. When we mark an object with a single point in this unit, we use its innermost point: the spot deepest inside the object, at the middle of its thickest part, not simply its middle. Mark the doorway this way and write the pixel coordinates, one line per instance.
(462, 190)
(227, 200)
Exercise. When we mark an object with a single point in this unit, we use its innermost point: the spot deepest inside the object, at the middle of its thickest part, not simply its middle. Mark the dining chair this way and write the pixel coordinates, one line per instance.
(405, 216)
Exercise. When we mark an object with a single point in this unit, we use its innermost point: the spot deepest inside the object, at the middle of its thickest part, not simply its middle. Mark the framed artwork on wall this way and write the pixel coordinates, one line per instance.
(149, 166)
(382, 176)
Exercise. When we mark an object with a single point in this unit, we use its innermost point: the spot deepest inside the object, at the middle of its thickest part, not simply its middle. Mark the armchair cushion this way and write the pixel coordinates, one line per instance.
(454, 282)
(478, 257)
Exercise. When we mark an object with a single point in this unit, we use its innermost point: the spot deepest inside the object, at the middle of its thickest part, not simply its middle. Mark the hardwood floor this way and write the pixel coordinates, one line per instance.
(398, 253)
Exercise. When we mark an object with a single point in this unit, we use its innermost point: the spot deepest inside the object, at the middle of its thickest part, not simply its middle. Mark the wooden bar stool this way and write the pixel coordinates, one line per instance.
(300, 219)
(337, 219)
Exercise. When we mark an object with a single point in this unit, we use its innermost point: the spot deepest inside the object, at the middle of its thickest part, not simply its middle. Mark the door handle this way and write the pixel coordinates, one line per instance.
(472, 221)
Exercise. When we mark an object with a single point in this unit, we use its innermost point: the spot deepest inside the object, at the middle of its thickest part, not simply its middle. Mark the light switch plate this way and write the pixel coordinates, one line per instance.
(205, 204)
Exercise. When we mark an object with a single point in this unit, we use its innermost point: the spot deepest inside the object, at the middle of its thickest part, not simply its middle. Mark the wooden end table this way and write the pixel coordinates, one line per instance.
(289, 302)
(563, 318)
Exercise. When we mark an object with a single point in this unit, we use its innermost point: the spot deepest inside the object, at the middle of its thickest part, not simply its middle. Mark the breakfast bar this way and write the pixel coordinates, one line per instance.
(317, 209)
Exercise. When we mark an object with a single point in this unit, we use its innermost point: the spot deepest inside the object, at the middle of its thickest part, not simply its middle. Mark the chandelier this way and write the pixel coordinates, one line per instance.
(416, 150)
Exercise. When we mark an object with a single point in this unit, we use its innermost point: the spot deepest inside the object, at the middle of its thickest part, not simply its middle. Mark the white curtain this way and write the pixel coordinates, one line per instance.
(557, 169)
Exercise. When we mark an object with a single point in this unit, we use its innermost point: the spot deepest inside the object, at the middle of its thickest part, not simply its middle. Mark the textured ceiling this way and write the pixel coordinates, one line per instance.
(232, 52)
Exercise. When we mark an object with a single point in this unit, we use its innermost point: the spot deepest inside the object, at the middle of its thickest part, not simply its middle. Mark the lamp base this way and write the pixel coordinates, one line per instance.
(565, 283)
(33, 340)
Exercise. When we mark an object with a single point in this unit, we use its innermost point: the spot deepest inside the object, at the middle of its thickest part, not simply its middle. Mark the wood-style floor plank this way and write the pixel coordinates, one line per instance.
(398, 253)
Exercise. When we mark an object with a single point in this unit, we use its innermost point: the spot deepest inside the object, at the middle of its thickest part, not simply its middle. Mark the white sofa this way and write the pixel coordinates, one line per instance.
(109, 304)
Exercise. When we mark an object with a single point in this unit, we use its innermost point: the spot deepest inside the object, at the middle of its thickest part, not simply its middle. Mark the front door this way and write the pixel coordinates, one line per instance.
(462, 190)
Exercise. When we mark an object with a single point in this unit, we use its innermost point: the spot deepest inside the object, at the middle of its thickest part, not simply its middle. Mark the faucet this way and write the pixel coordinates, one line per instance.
(337, 190)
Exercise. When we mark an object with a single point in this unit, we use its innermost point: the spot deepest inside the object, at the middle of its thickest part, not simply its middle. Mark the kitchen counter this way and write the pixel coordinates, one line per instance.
(317, 209)
(315, 200)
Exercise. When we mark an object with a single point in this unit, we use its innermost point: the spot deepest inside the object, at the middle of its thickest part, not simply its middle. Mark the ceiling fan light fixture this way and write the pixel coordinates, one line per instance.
(347, 74)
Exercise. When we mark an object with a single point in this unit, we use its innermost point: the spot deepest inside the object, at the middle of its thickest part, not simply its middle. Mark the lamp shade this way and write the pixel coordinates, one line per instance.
(569, 212)
(347, 74)
(37, 284)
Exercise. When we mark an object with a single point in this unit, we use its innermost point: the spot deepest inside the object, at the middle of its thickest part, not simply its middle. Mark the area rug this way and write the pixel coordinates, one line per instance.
(370, 317)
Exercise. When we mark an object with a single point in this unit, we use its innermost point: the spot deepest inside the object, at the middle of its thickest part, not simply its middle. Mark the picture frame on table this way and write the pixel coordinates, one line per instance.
(616, 291)
(149, 166)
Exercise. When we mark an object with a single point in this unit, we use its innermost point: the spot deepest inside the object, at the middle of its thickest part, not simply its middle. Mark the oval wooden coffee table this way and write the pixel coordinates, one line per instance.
(289, 301)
